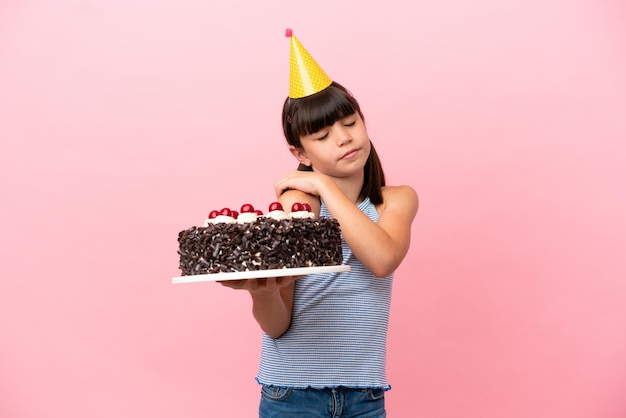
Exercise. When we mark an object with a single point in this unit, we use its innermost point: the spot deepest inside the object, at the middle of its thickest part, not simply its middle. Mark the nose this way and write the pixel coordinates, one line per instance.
(343, 136)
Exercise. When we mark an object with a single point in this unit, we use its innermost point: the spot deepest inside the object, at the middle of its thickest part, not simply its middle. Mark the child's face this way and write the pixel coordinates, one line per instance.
(338, 150)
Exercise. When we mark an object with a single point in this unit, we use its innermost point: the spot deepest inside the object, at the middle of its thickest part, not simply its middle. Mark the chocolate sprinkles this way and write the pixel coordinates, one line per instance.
(261, 245)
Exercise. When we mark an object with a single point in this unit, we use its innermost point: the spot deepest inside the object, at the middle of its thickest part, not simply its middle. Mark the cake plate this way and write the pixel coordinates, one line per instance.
(259, 274)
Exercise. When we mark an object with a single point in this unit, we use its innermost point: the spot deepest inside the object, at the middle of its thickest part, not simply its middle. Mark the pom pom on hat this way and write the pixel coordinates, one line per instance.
(306, 77)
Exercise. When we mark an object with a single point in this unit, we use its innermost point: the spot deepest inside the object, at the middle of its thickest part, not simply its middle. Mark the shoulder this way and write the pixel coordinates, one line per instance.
(400, 195)
(289, 197)
(399, 200)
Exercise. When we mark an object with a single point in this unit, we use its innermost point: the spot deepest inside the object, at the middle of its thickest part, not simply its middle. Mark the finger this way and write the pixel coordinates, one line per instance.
(287, 280)
(280, 187)
(285, 183)
(233, 284)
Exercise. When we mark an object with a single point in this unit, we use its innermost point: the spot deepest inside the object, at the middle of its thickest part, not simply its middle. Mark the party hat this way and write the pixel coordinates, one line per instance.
(306, 77)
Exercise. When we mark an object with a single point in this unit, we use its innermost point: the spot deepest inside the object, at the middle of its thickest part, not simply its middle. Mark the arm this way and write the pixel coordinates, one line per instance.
(381, 246)
(272, 298)
(272, 301)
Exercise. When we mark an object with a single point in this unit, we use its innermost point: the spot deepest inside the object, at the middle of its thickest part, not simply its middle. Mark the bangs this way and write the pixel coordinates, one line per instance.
(313, 113)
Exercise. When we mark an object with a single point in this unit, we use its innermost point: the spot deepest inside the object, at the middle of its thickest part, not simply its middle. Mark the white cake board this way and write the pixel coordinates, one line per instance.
(259, 274)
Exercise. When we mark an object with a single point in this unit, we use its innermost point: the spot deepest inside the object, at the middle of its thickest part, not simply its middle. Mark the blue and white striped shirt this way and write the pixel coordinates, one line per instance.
(338, 329)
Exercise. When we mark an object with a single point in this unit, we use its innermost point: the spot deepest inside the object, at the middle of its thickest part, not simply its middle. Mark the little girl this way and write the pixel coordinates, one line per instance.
(324, 340)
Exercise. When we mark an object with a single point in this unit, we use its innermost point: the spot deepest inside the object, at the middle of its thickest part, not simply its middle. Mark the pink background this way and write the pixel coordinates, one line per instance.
(125, 121)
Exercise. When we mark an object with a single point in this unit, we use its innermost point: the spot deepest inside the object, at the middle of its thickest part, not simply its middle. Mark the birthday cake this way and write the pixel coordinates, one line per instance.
(231, 241)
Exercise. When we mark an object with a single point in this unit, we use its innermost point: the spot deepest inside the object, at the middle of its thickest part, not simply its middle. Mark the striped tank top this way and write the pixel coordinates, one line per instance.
(338, 329)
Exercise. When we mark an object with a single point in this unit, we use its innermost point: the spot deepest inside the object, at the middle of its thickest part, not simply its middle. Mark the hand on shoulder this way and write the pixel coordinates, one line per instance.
(309, 182)
(301, 187)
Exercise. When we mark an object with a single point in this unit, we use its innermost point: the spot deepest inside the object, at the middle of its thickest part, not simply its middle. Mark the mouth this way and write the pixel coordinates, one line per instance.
(349, 154)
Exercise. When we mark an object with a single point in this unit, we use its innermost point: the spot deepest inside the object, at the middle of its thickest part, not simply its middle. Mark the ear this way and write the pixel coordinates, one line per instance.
(300, 155)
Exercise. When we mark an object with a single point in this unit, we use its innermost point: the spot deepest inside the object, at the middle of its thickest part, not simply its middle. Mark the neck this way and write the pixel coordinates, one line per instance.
(351, 186)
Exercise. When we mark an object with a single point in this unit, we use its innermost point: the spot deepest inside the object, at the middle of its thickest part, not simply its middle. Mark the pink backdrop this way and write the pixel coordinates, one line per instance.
(123, 122)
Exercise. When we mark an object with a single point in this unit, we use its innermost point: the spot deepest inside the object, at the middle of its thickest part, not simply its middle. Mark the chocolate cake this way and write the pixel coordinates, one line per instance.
(233, 242)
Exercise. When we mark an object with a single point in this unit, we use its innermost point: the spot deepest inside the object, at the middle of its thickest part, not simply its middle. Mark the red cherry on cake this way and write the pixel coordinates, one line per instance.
(258, 212)
(226, 212)
(235, 214)
(275, 206)
(297, 207)
(213, 214)
(247, 207)
(306, 207)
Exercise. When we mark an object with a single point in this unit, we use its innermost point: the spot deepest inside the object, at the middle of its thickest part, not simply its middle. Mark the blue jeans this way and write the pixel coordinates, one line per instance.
(326, 403)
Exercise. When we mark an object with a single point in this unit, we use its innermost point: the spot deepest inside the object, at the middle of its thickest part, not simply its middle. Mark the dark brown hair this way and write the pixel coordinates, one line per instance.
(310, 114)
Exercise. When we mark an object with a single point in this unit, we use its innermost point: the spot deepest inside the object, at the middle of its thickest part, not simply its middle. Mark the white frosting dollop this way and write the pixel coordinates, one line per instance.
(301, 214)
(220, 219)
(277, 214)
(246, 217)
